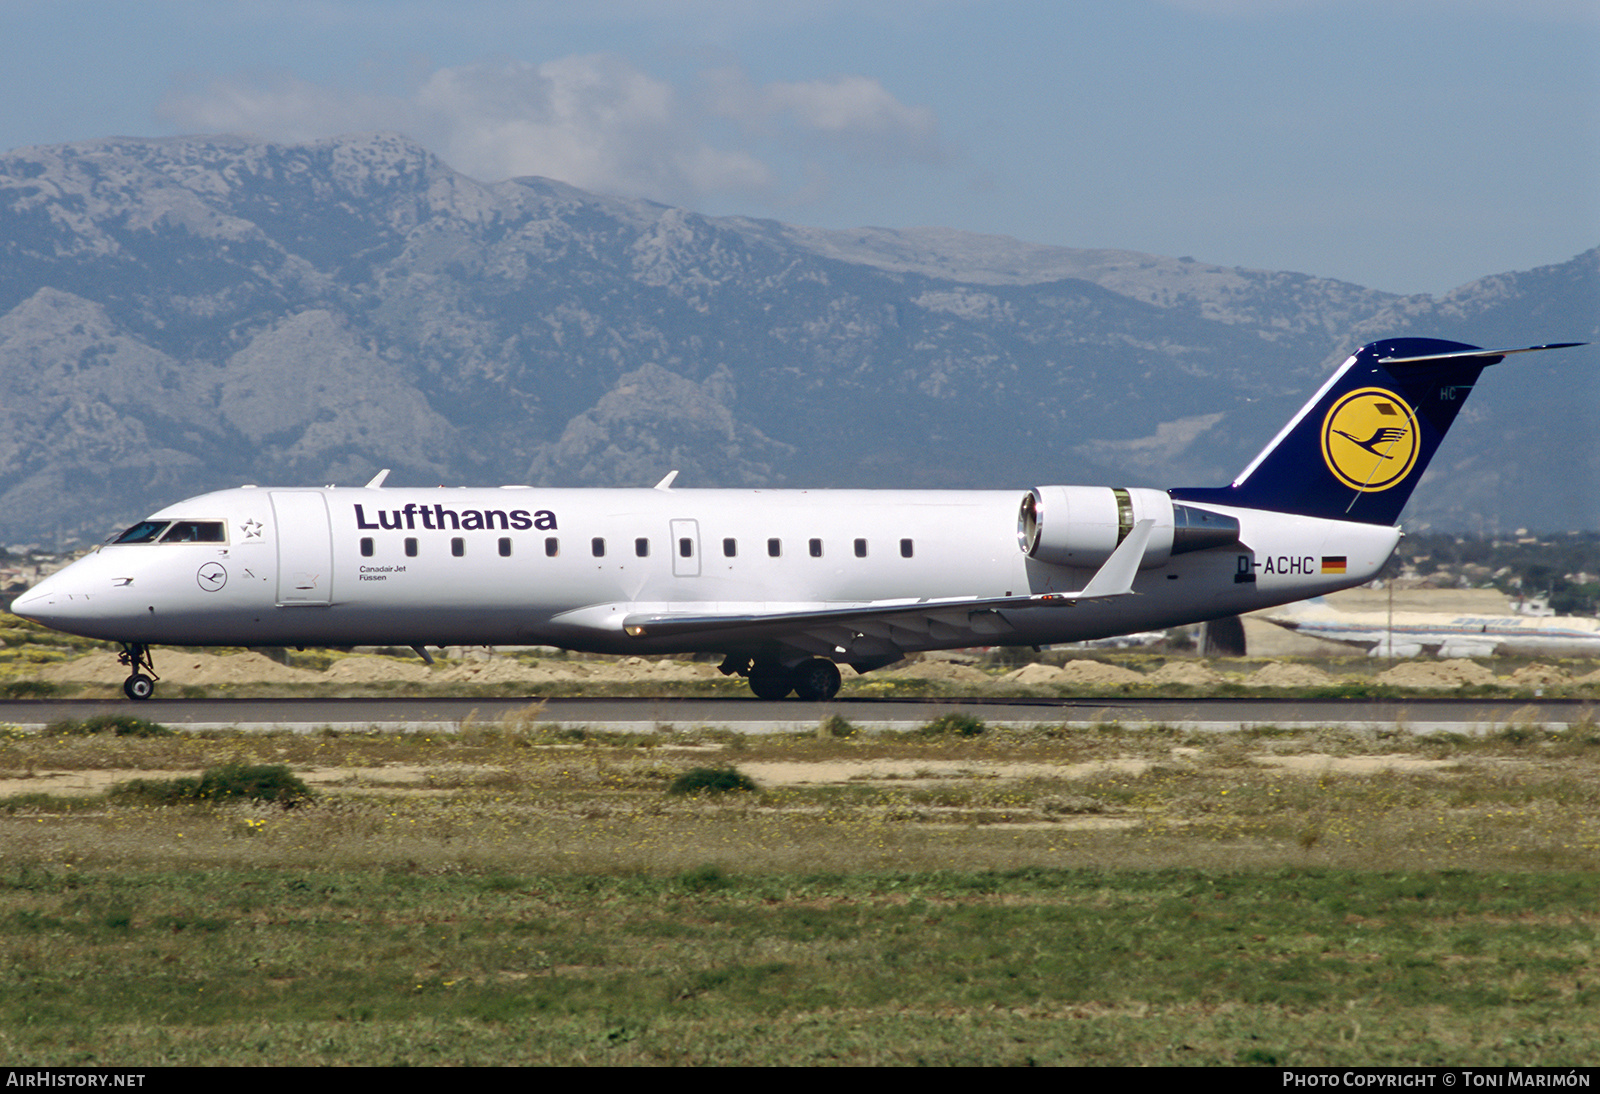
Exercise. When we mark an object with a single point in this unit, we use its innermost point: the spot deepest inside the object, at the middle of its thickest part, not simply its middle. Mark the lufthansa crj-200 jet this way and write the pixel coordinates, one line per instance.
(786, 584)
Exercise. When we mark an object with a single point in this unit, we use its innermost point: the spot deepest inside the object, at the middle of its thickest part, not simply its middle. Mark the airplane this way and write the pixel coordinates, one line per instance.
(1406, 634)
(785, 584)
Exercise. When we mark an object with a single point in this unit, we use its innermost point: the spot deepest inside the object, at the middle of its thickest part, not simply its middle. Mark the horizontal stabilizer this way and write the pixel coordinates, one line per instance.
(1483, 355)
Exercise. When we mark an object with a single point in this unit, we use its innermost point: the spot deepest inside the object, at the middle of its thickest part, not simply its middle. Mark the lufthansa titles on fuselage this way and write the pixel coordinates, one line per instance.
(440, 518)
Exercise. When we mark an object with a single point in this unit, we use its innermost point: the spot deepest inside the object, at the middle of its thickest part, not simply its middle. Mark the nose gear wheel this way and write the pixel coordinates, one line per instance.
(139, 685)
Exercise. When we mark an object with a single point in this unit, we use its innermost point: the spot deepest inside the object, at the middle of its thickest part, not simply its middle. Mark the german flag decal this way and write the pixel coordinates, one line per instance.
(1333, 564)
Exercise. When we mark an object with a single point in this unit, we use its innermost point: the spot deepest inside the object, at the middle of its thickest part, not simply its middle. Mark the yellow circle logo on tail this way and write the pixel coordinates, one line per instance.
(1370, 439)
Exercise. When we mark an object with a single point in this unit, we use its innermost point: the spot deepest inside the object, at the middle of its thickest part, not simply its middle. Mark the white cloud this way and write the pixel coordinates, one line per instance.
(595, 121)
(854, 114)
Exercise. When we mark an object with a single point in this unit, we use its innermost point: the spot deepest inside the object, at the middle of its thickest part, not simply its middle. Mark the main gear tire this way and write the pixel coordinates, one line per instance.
(816, 680)
(771, 681)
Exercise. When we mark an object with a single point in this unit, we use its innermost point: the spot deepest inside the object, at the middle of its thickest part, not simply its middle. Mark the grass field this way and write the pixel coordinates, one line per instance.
(521, 893)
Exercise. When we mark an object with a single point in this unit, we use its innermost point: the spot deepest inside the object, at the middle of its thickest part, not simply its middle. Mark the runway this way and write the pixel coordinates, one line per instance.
(446, 715)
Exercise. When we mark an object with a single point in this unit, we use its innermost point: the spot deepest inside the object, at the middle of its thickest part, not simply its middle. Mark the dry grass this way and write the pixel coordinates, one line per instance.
(521, 893)
(518, 794)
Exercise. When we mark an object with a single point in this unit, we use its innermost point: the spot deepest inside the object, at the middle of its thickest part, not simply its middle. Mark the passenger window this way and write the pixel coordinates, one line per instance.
(641, 547)
(686, 547)
(774, 547)
(552, 547)
(458, 547)
(905, 548)
(411, 547)
(816, 548)
(505, 547)
(730, 548)
(598, 546)
(861, 548)
(366, 546)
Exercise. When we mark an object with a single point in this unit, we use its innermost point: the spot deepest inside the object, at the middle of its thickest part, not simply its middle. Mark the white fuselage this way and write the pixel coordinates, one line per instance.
(516, 565)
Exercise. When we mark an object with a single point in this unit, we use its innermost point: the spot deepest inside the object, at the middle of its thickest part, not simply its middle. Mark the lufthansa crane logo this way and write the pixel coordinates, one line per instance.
(1369, 439)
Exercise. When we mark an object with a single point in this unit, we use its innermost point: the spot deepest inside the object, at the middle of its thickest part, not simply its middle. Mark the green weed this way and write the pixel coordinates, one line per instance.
(955, 724)
(118, 725)
(256, 782)
(711, 780)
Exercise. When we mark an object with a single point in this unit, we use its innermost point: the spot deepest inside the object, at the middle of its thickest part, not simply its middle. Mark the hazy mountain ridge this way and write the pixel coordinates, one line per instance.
(184, 314)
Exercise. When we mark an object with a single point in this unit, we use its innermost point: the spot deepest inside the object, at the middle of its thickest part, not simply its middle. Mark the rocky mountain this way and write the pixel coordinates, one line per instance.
(186, 314)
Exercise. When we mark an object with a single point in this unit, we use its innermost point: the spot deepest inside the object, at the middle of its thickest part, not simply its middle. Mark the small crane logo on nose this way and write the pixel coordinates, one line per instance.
(212, 577)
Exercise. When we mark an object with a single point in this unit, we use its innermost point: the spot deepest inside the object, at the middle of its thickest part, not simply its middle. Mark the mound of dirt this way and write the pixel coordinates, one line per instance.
(509, 671)
(1280, 674)
(940, 670)
(1079, 674)
(1035, 676)
(1095, 674)
(1196, 674)
(99, 667)
(377, 670)
(1455, 673)
(1538, 676)
(638, 668)
(182, 669)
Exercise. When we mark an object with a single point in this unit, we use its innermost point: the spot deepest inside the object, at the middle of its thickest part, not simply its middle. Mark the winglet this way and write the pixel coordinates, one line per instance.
(377, 480)
(1115, 578)
(666, 483)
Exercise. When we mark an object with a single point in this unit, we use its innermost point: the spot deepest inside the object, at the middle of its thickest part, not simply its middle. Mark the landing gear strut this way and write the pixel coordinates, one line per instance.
(816, 680)
(136, 655)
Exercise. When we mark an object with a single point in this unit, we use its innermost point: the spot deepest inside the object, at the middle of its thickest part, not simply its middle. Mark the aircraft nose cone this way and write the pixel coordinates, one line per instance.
(27, 604)
(51, 604)
(63, 601)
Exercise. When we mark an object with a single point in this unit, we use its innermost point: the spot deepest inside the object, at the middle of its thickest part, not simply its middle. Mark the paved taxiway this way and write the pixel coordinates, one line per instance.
(443, 715)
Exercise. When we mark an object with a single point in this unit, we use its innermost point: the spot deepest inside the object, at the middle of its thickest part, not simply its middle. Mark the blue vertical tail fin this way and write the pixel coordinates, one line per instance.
(1358, 448)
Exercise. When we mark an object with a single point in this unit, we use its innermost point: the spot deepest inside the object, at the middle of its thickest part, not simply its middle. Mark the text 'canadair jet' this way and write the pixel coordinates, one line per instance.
(785, 583)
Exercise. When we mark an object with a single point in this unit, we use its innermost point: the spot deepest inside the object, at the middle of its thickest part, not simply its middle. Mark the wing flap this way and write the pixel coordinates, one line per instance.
(951, 620)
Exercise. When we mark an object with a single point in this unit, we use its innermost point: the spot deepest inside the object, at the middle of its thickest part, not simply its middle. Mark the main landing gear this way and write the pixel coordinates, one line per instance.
(136, 655)
(816, 680)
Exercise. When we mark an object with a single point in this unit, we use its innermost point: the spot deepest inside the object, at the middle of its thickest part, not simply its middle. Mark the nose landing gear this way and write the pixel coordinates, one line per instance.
(136, 655)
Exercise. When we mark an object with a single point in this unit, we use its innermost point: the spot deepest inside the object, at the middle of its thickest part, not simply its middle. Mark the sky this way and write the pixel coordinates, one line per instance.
(1404, 145)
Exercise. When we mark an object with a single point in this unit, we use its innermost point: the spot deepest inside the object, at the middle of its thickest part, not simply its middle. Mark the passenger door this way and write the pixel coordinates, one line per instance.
(305, 548)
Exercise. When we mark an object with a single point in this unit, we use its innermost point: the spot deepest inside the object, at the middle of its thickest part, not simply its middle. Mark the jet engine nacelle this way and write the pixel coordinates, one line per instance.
(1081, 525)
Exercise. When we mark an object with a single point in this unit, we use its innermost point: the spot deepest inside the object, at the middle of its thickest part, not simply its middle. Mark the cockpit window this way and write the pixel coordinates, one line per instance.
(145, 531)
(175, 531)
(196, 531)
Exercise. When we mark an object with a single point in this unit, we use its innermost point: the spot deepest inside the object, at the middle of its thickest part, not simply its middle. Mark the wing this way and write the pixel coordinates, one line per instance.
(880, 631)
